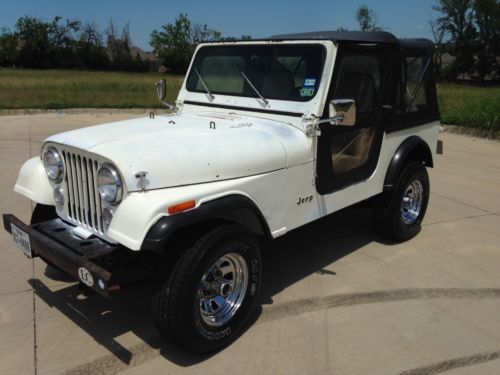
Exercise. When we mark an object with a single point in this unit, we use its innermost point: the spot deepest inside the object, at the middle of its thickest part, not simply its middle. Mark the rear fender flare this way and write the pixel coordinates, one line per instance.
(413, 148)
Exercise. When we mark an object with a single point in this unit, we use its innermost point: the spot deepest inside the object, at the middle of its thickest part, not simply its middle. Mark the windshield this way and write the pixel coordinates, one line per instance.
(283, 72)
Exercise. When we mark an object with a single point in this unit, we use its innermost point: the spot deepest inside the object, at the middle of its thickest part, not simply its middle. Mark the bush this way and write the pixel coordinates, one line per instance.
(471, 106)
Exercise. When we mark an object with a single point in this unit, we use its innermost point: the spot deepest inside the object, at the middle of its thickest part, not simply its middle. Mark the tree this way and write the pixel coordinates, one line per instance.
(174, 44)
(119, 48)
(459, 22)
(439, 30)
(487, 20)
(68, 44)
(62, 43)
(33, 37)
(202, 33)
(62, 34)
(8, 48)
(90, 49)
(234, 39)
(367, 19)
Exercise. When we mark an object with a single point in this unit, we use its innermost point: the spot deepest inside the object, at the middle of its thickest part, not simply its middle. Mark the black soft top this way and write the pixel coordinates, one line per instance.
(359, 37)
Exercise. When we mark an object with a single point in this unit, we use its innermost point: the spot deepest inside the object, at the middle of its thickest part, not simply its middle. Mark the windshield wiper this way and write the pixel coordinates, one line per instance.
(204, 85)
(255, 89)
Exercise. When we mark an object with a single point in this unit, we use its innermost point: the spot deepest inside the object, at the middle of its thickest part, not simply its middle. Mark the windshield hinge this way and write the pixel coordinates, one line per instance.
(179, 104)
(311, 125)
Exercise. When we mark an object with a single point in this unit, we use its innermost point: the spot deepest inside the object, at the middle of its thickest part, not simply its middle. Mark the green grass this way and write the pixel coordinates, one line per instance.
(477, 107)
(57, 89)
(470, 106)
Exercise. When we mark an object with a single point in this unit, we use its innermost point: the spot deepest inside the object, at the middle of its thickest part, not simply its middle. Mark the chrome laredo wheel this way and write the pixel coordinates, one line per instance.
(222, 289)
(202, 300)
(411, 204)
(398, 214)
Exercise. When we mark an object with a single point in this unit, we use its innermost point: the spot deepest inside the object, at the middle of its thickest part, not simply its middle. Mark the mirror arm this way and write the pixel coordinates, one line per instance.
(337, 120)
(172, 107)
(161, 91)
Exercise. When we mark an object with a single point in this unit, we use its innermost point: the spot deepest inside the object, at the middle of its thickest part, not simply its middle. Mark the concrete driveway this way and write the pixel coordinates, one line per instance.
(337, 299)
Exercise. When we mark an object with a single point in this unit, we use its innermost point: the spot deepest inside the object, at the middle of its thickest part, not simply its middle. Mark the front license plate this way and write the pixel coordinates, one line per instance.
(22, 240)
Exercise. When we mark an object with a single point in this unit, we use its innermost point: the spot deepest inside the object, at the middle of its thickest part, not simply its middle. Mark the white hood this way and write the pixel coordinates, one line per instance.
(179, 150)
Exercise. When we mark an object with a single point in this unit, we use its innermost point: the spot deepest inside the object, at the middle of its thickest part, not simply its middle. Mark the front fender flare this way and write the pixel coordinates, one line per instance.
(237, 208)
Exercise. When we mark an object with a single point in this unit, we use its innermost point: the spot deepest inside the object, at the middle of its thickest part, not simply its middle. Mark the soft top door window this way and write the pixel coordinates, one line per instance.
(283, 72)
(349, 154)
(359, 78)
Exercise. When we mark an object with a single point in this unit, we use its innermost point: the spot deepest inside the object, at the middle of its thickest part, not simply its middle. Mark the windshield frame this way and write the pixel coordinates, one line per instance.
(241, 45)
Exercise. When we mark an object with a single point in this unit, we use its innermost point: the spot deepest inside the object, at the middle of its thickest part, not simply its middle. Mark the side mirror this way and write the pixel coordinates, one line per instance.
(161, 89)
(342, 112)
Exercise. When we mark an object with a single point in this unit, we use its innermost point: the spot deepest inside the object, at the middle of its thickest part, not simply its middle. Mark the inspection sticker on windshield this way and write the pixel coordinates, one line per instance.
(307, 91)
(309, 82)
(308, 88)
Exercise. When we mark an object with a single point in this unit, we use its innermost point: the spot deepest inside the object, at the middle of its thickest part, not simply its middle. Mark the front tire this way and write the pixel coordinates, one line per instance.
(203, 302)
(42, 213)
(398, 214)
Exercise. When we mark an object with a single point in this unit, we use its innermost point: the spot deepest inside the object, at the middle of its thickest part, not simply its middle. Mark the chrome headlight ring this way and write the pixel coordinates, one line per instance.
(109, 183)
(53, 163)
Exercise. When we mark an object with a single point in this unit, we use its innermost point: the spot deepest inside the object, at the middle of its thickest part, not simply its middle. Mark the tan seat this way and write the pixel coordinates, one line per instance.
(355, 155)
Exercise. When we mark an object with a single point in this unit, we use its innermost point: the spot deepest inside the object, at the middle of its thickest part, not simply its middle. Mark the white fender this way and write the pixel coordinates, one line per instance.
(32, 182)
(139, 211)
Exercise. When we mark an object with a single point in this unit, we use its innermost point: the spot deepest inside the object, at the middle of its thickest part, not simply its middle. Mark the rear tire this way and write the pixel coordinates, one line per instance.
(398, 214)
(203, 301)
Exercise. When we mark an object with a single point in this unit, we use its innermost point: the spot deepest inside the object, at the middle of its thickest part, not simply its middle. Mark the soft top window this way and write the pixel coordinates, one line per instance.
(283, 72)
(415, 96)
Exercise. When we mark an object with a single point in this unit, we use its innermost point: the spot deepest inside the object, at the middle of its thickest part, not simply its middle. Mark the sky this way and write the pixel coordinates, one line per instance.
(258, 18)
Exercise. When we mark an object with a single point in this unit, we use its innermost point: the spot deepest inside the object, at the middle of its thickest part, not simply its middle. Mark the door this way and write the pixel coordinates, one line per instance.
(349, 154)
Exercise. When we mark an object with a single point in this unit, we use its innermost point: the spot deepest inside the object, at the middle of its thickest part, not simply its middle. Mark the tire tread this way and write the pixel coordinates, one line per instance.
(386, 212)
(168, 291)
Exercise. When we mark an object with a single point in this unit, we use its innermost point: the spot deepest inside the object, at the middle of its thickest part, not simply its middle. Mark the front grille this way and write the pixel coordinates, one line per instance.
(83, 203)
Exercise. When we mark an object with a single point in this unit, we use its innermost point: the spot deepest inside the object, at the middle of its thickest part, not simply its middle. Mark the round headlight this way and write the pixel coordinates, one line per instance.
(53, 164)
(109, 184)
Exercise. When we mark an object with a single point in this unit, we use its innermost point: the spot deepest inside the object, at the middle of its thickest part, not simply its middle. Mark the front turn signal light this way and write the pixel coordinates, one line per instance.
(184, 206)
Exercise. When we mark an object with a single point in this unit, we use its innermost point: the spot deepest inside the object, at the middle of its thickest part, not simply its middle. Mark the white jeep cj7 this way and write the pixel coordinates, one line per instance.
(265, 136)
